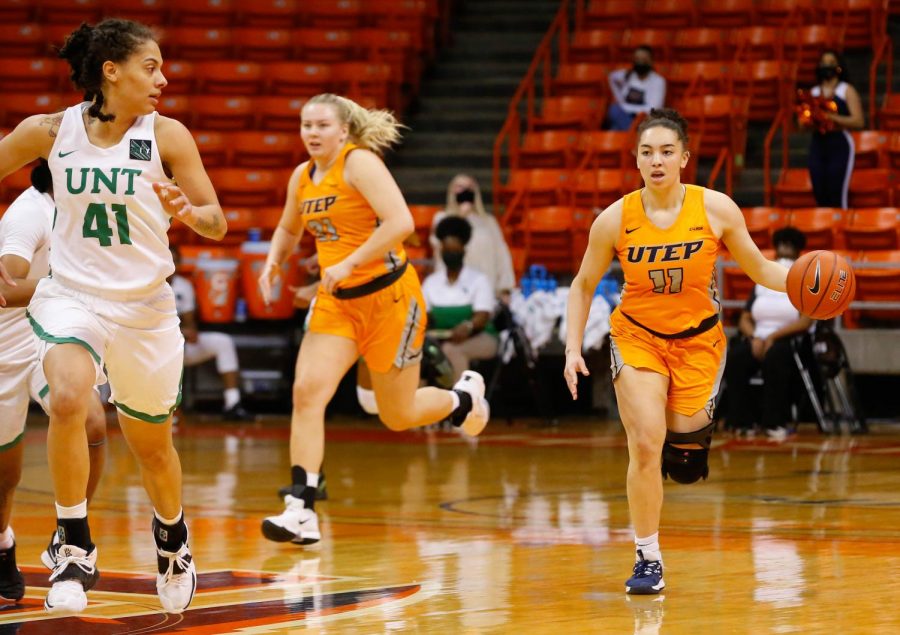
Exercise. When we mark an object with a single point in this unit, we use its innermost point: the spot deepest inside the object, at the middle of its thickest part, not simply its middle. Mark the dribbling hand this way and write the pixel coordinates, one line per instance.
(267, 279)
(174, 202)
(574, 365)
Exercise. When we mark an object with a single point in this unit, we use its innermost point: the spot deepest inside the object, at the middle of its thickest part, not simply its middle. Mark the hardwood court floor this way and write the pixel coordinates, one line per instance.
(527, 532)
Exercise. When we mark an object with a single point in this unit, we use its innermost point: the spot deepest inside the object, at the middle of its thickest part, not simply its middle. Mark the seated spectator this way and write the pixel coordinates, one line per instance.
(487, 251)
(203, 346)
(634, 90)
(767, 324)
(460, 300)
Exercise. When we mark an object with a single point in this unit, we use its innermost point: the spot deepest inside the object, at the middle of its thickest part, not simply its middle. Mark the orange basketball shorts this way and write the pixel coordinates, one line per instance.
(694, 365)
(388, 326)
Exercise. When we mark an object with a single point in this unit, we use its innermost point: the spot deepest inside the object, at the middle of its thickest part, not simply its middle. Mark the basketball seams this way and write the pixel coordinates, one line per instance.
(824, 289)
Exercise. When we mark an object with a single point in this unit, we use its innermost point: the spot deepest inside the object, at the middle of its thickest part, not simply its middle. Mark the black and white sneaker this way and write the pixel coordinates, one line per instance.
(295, 524)
(473, 383)
(12, 584)
(646, 578)
(49, 555)
(74, 573)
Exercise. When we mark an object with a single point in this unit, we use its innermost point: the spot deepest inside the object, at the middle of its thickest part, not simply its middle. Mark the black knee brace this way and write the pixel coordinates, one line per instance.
(687, 465)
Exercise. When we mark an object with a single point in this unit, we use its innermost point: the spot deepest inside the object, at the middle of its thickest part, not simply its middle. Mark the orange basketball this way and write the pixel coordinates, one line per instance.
(821, 284)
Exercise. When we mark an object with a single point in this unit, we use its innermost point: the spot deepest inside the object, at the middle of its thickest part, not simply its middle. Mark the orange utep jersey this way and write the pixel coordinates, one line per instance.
(341, 220)
(670, 283)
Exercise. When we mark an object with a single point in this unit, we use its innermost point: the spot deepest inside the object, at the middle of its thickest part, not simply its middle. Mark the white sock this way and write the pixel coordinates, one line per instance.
(648, 546)
(76, 511)
(455, 399)
(367, 401)
(232, 398)
(6, 538)
(168, 521)
(312, 480)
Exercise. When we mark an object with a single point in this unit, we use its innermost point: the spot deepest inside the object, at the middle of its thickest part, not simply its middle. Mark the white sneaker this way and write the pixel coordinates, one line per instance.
(177, 584)
(295, 524)
(49, 555)
(74, 573)
(473, 383)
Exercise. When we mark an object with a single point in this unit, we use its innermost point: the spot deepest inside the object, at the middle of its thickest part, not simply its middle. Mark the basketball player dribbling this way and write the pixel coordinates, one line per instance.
(368, 304)
(107, 310)
(667, 344)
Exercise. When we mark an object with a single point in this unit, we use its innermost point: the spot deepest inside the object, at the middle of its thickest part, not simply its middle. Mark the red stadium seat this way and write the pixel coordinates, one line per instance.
(263, 45)
(589, 80)
(279, 113)
(863, 21)
(547, 149)
(416, 16)
(152, 12)
(423, 218)
(22, 40)
(609, 149)
(611, 14)
(180, 75)
(804, 45)
(697, 78)
(889, 114)
(698, 45)
(762, 221)
(871, 188)
(534, 187)
(328, 14)
(257, 149)
(725, 14)
(660, 40)
(214, 147)
(600, 188)
(794, 189)
(397, 48)
(822, 226)
(298, 79)
(206, 13)
(17, 11)
(324, 46)
(14, 107)
(240, 188)
(229, 77)
(870, 148)
(197, 43)
(594, 47)
(721, 120)
(69, 11)
(755, 43)
(177, 107)
(554, 236)
(570, 112)
(873, 228)
(879, 284)
(780, 12)
(223, 112)
(31, 75)
(767, 84)
(378, 82)
(270, 14)
(667, 14)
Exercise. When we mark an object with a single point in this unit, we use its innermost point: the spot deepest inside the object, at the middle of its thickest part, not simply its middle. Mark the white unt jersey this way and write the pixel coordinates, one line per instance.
(109, 238)
(24, 232)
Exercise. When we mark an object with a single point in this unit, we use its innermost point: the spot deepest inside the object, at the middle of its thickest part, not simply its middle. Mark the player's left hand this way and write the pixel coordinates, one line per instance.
(334, 275)
(175, 203)
(574, 365)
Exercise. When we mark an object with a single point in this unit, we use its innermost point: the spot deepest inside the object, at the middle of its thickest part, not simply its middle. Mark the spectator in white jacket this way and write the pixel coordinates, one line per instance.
(634, 90)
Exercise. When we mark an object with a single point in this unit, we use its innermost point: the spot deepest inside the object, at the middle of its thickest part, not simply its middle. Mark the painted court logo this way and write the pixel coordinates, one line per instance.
(140, 149)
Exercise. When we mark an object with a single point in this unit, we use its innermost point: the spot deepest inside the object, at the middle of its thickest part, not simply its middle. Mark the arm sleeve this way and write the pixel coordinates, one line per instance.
(24, 231)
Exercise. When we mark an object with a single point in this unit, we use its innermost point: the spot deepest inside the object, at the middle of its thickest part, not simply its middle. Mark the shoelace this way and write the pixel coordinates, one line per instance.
(63, 563)
(646, 568)
(179, 560)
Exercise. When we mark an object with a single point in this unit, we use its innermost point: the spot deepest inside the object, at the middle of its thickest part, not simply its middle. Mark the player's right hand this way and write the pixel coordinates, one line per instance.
(574, 365)
(267, 279)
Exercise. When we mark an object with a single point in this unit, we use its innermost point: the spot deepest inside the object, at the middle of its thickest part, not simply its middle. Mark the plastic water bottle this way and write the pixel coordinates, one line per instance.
(254, 234)
(526, 285)
(240, 310)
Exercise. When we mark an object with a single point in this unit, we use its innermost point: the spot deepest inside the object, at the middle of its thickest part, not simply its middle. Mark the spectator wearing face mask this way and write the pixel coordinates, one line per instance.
(460, 300)
(831, 152)
(767, 325)
(634, 90)
(487, 251)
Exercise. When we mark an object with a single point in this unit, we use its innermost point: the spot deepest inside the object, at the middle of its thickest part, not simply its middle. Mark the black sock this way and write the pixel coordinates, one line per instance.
(462, 411)
(74, 531)
(299, 488)
(170, 537)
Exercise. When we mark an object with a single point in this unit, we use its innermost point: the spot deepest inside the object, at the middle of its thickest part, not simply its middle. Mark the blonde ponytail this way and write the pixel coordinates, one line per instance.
(374, 129)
